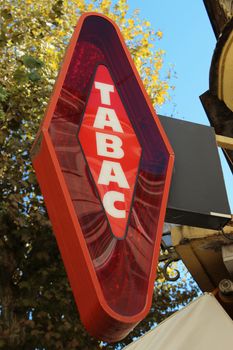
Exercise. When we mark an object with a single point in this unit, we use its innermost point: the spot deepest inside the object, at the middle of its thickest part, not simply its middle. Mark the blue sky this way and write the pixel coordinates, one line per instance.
(189, 41)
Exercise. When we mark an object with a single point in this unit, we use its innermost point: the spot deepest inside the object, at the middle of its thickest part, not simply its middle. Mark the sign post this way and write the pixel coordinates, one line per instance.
(104, 166)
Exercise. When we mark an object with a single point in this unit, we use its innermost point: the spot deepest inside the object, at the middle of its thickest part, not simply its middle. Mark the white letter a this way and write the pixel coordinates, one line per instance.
(112, 172)
(107, 117)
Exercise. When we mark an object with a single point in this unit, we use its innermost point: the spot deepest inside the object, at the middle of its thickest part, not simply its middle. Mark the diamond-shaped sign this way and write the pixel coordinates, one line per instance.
(104, 166)
(112, 151)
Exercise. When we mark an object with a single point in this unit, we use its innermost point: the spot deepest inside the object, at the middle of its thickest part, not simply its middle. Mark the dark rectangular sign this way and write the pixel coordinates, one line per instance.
(197, 195)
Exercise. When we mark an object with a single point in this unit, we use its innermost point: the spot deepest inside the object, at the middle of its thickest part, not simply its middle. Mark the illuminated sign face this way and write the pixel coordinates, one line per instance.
(112, 151)
(104, 166)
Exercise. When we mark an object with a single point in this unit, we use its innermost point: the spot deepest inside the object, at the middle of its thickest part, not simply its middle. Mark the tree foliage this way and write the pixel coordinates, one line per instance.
(37, 309)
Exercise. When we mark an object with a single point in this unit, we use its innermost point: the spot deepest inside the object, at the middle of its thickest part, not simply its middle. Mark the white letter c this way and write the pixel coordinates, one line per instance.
(109, 200)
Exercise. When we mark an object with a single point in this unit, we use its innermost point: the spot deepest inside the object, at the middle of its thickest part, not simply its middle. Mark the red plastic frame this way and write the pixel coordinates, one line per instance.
(100, 319)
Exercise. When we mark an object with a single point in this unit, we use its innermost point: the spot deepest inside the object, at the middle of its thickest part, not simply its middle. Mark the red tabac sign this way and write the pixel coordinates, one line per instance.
(104, 167)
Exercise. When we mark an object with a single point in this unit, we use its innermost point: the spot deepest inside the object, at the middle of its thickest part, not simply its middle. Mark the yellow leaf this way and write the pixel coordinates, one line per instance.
(159, 34)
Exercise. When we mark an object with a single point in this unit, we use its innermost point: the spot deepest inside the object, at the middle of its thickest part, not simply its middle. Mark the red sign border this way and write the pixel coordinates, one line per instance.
(51, 180)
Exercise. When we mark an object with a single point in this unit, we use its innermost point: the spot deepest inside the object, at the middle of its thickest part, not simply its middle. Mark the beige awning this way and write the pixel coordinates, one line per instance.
(202, 325)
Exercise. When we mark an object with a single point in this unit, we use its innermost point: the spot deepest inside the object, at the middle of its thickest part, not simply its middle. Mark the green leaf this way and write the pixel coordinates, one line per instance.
(31, 62)
(2, 115)
(34, 76)
(20, 76)
(3, 94)
(58, 8)
(3, 135)
(3, 39)
(6, 14)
